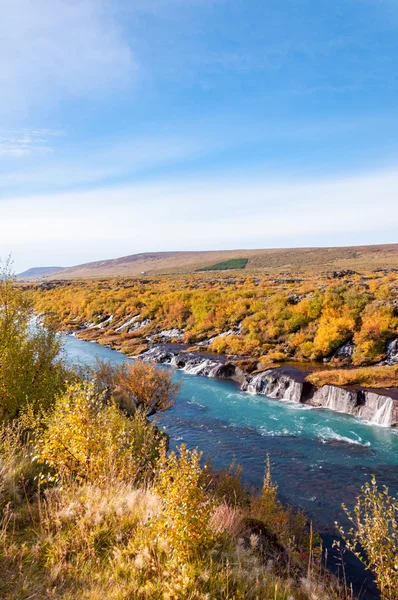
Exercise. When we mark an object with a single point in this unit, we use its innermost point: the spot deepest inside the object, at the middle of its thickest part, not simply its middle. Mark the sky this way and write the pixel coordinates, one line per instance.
(130, 126)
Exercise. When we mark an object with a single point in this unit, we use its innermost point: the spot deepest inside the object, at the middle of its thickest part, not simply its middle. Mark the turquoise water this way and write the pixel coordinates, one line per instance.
(320, 458)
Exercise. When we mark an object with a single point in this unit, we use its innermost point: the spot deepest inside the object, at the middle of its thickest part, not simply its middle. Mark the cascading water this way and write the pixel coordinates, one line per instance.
(383, 415)
(337, 399)
(197, 369)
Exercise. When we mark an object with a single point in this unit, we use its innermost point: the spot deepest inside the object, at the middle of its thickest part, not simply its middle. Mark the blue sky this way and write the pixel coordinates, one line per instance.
(132, 126)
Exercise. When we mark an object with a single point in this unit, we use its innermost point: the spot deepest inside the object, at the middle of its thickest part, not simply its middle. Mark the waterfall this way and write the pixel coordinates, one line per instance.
(199, 368)
(256, 385)
(383, 415)
(336, 399)
(333, 399)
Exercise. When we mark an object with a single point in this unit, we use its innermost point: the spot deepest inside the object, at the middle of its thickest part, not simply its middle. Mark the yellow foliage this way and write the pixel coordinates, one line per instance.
(335, 326)
(379, 323)
(309, 317)
(374, 377)
(90, 440)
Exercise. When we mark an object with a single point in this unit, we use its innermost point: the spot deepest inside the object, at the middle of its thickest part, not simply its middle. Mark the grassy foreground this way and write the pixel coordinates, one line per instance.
(84, 519)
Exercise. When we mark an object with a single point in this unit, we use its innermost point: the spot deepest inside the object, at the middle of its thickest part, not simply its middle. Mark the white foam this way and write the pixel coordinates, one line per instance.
(326, 434)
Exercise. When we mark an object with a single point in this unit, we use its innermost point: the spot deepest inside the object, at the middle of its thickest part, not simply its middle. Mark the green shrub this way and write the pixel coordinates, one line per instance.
(234, 263)
(31, 372)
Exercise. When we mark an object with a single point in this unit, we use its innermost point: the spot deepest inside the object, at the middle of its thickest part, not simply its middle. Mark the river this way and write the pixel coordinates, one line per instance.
(319, 458)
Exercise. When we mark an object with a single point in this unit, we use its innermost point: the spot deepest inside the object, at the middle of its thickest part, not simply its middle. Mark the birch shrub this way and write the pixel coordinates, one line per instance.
(373, 537)
(184, 522)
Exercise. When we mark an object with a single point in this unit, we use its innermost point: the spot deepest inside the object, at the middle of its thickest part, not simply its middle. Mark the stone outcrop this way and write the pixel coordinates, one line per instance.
(288, 383)
(335, 398)
(274, 384)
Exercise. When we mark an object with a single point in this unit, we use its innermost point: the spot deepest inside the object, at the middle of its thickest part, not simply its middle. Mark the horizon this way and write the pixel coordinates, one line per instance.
(211, 251)
(189, 126)
(218, 250)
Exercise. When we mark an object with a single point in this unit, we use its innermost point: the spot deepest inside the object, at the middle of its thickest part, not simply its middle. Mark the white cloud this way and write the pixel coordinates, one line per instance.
(200, 215)
(51, 48)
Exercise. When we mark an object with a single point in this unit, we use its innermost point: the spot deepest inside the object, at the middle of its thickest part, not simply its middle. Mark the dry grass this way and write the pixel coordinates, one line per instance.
(226, 518)
(373, 377)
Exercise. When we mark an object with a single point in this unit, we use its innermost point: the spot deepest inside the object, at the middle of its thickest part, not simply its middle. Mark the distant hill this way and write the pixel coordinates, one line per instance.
(38, 272)
(287, 260)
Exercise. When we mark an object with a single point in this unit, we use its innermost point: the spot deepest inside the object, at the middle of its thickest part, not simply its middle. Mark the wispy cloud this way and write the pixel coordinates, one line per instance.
(16, 143)
(37, 161)
(96, 163)
(52, 48)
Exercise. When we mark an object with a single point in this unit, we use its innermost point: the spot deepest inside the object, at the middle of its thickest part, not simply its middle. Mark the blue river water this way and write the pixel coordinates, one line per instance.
(320, 458)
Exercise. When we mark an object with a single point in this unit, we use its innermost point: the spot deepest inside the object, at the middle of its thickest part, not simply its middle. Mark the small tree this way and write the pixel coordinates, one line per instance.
(374, 536)
(138, 386)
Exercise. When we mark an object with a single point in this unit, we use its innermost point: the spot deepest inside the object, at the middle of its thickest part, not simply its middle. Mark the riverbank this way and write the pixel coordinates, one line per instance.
(376, 406)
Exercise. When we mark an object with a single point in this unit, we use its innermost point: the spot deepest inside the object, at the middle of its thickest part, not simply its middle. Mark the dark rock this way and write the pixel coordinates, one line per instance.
(342, 354)
(341, 274)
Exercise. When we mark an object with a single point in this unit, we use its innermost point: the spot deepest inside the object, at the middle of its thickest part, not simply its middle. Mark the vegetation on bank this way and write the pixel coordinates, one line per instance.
(269, 319)
(226, 265)
(375, 377)
(93, 506)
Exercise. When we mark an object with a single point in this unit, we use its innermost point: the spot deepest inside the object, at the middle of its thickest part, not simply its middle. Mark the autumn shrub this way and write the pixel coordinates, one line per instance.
(85, 438)
(146, 387)
(225, 485)
(373, 537)
(136, 386)
(379, 324)
(306, 320)
(335, 327)
(186, 509)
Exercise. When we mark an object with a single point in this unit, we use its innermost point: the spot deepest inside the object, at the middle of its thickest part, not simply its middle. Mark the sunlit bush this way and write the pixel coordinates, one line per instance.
(90, 440)
(183, 522)
(31, 371)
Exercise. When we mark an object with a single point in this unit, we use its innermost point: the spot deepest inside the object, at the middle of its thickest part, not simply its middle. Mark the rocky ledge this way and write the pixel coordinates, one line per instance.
(285, 383)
